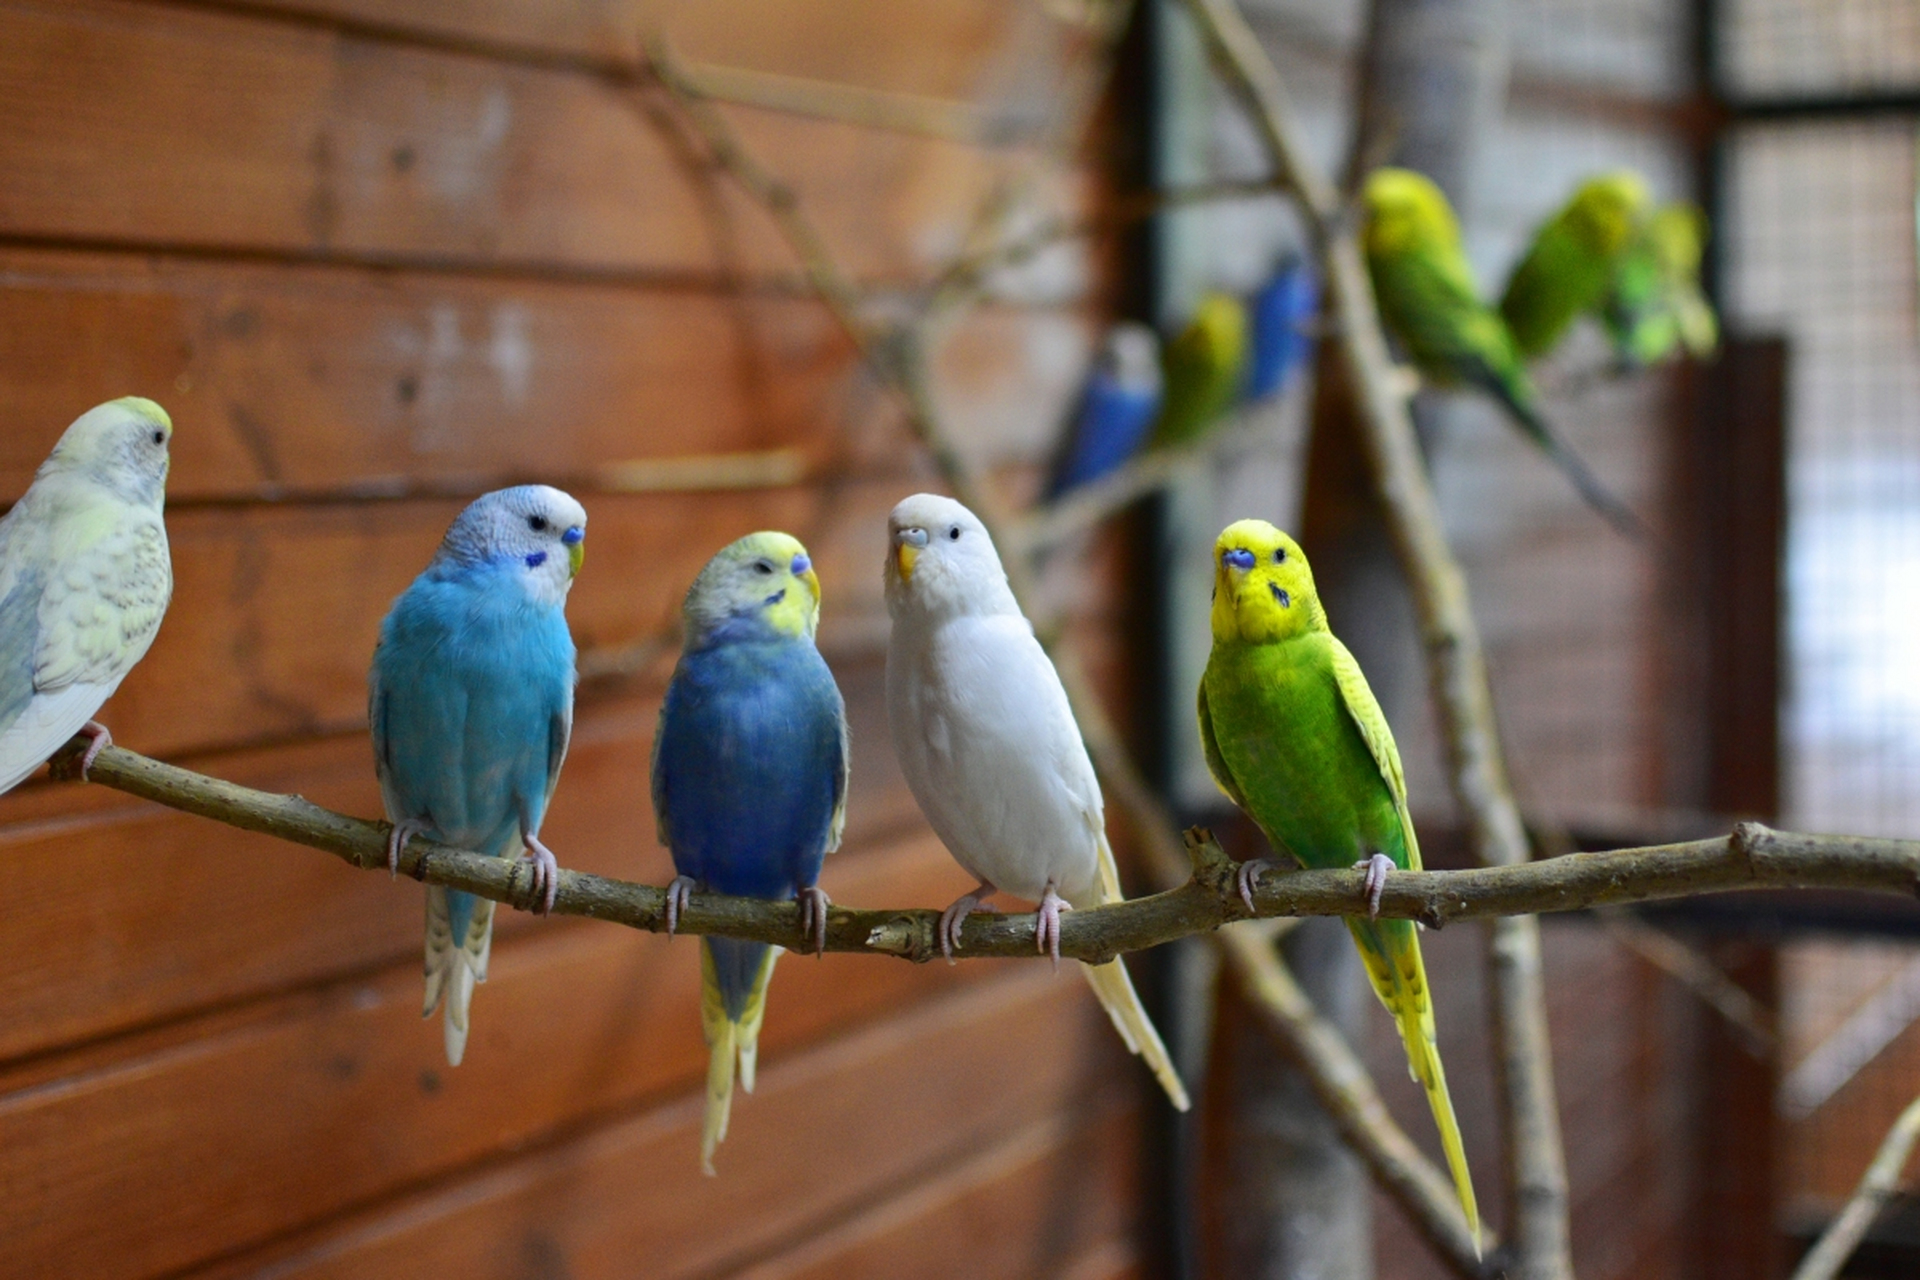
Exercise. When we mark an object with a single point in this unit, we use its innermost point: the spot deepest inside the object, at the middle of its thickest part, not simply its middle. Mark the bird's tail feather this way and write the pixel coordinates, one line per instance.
(1117, 996)
(1572, 465)
(731, 1036)
(459, 943)
(1391, 951)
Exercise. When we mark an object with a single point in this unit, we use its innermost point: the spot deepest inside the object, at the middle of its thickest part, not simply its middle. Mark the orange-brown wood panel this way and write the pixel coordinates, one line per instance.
(313, 379)
(141, 914)
(1036, 1205)
(281, 1112)
(827, 1134)
(167, 126)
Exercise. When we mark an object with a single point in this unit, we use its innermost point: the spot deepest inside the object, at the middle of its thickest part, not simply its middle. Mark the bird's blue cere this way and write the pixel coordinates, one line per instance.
(1237, 558)
(573, 535)
(801, 564)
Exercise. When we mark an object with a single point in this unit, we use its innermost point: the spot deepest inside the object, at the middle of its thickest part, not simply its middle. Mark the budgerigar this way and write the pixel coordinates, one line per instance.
(1283, 314)
(1570, 265)
(749, 780)
(84, 581)
(1121, 398)
(990, 748)
(1294, 737)
(1428, 301)
(1206, 365)
(471, 703)
(1655, 309)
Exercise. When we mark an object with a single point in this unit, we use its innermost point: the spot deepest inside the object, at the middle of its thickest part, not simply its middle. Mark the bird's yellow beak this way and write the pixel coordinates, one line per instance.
(576, 544)
(812, 580)
(907, 544)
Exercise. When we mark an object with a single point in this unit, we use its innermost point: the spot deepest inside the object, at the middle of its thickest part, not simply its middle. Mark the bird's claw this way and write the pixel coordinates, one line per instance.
(1247, 879)
(956, 915)
(1376, 868)
(546, 874)
(813, 916)
(679, 891)
(98, 740)
(1046, 923)
(403, 831)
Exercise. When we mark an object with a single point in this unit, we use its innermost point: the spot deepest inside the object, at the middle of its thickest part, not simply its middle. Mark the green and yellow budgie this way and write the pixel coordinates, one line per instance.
(1569, 267)
(1202, 370)
(1428, 301)
(1294, 736)
(1655, 308)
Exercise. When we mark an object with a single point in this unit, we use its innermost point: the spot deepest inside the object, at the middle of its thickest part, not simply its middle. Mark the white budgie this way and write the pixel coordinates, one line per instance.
(84, 580)
(990, 748)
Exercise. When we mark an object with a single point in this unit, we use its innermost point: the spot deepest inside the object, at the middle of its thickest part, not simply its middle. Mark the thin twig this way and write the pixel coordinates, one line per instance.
(1204, 899)
(1456, 666)
(1877, 1185)
(1750, 1019)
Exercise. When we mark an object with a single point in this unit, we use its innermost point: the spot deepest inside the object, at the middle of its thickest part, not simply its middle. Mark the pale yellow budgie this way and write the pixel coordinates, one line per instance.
(84, 580)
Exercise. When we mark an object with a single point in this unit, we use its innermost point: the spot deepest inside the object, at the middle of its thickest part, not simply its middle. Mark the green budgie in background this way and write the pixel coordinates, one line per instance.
(1428, 301)
(1294, 736)
(1655, 308)
(1203, 370)
(1570, 266)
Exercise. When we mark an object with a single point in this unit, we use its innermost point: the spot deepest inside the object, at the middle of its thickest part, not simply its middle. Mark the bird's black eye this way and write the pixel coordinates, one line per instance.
(1279, 555)
(159, 437)
(763, 567)
(953, 534)
(537, 523)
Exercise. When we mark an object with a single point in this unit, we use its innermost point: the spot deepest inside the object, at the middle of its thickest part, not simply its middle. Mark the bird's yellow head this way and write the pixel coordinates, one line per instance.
(1262, 587)
(761, 586)
(122, 444)
(1406, 212)
(1217, 334)
(1607, 210)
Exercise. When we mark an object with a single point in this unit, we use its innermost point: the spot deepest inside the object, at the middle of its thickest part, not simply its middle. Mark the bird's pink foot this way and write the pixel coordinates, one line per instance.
(1248, 878)
(956, 915)
(98, 740)
(1046, 923)
(813, 916)
(403, 831)
(546, 873)
(679, 889)
(1376, 868)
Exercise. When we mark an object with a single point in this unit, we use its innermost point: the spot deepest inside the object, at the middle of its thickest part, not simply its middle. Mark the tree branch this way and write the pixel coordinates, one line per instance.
(1456, 667)
(1752, 857)
(1877, 1185)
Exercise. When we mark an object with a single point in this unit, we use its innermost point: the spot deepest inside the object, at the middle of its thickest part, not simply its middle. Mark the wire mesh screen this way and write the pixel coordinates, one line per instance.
(1820, 242)
(1825, 48)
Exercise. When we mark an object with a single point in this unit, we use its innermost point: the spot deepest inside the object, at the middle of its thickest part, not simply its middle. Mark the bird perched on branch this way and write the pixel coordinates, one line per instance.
(1117, 406)
(750, 769)
(1428, 301)
(990, 747)
(1294, 737)
(1654, 308)
(85, 578)
(470, 699)
(1282, 313)
(1205, 367)
(1570, 266)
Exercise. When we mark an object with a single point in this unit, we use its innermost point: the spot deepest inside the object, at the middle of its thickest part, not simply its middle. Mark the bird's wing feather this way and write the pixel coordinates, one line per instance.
(559, 734)
(100, 611)
(841, 776)
(43, 727)
(662, 831)
(1217, 763)
(1357, 696)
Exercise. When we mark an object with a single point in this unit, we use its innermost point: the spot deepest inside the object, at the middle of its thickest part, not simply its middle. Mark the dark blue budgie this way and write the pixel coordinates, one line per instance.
(471, 704)
(1284, 312)
(1119, 404)
(749, 780)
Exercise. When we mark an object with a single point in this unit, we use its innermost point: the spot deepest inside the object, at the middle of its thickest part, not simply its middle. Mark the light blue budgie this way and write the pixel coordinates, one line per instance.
(1119, 404)
(471, 703)
(749, 780)
(85, 578)
(1282, 312)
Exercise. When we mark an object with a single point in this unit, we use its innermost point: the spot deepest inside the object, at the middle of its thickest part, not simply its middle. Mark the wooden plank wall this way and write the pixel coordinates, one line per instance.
(376, 257)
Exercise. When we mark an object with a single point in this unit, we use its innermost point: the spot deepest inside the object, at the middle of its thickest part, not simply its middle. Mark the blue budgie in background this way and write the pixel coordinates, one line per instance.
(471, 704)
(1284, 311)
(749, 780)
(1119, 404)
